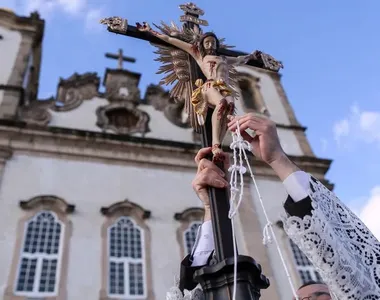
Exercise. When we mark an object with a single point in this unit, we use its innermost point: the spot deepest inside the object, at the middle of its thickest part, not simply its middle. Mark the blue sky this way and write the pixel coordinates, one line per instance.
(330, 49)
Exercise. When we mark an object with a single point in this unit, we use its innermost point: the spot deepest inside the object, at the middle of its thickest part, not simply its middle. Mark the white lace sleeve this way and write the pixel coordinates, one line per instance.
(176, 294)
(340, 246)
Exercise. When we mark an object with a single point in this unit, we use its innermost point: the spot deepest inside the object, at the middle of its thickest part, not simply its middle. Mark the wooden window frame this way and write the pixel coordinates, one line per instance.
(253, 83)
(187, 218)
(138, 215)
(61, 209)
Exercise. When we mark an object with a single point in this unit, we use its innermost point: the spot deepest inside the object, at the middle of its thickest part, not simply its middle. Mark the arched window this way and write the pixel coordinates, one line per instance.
(305, 268)
(190, 220)
(248, 95)
(40, 256)
(126, 260)
(126, 276)
(40, 263)
(251, 96)
(190, 235)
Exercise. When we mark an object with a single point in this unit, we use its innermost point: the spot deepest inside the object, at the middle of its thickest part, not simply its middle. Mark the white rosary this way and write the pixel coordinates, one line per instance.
(237, 170)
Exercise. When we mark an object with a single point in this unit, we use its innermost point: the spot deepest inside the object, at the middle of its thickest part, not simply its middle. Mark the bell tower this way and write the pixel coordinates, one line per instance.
(21, 41)
(262, 92)
(122, 114)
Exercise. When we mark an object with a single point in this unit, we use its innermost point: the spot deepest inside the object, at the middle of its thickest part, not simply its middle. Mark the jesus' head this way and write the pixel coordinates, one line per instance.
(208, 44)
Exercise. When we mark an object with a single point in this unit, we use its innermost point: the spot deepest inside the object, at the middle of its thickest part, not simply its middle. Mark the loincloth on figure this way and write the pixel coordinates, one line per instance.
(200, 104)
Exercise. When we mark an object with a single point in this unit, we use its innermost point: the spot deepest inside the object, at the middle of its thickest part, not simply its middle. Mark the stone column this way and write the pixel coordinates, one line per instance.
(5, 155)
(11, 99)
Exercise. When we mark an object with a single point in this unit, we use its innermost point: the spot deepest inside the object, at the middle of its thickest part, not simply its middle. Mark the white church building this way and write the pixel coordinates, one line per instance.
(95, 193)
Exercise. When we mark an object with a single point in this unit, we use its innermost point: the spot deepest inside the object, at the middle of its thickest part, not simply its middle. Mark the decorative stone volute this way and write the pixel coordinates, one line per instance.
(73, 90)
(123, 118)
(157, 97)
(160, 99)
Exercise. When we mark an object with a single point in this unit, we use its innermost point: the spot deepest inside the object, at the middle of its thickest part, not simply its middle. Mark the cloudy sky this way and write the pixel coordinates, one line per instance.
(330, 50)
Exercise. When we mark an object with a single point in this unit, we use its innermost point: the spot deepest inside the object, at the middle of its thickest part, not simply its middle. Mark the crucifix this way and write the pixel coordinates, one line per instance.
(201, 69)
(120, 58)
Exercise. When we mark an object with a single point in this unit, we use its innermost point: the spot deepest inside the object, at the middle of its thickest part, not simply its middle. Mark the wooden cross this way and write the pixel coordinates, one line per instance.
(120, 58)
(216, 280)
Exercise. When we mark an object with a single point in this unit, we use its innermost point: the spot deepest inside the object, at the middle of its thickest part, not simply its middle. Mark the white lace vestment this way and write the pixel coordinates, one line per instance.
(340, 246)
(176, 294)
(343, 250)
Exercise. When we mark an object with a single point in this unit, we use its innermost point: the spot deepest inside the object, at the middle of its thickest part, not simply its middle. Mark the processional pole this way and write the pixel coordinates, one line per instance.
(217, 280)
(219, 200)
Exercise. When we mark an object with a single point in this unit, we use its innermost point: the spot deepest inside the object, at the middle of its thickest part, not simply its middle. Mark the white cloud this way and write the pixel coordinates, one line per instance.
(47, 7)
(370, 125)
(42, 6)
(92, 19)
(72, 6)
(341, 129)
(369, 214)
(358, 126)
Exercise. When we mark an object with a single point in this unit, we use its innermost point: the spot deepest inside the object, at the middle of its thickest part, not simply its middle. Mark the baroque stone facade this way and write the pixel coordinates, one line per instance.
(68, 161)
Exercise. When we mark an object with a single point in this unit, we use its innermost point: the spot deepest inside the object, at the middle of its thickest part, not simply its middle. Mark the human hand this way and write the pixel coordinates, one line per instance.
(208, 175)
(265, 144)
(144, 27)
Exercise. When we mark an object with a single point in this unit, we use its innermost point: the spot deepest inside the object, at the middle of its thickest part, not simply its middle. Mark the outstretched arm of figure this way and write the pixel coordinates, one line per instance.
(145, 27)
(243, 59)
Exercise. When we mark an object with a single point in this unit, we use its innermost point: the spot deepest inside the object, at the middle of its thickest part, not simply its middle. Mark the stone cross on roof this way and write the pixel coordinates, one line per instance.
(120, 58)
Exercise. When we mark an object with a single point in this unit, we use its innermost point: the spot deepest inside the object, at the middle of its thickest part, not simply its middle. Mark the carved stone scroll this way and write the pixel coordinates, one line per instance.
(123, 118)
(75, 89)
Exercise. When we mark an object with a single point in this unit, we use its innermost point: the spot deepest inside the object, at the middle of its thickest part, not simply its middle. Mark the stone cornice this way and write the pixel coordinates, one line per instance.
(126, 207)
(188, 213)
(121, 149)
(47, 201)
(33, 23)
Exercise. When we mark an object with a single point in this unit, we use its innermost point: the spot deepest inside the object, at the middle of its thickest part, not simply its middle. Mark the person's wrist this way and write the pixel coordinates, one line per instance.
(207, 216)
(283, 166)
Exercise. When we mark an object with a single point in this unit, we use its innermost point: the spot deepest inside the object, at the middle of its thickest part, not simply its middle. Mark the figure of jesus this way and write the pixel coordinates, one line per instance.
(216, 92)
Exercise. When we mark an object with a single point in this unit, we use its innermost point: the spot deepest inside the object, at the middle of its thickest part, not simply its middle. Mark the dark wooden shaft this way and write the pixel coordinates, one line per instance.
(219, 200)
(219, 203)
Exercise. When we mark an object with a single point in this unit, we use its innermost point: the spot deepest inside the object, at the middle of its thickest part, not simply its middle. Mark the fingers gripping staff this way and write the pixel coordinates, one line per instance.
(239, 146)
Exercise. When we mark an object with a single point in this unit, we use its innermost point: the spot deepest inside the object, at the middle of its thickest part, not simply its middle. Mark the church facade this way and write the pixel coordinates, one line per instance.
(95, 191)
